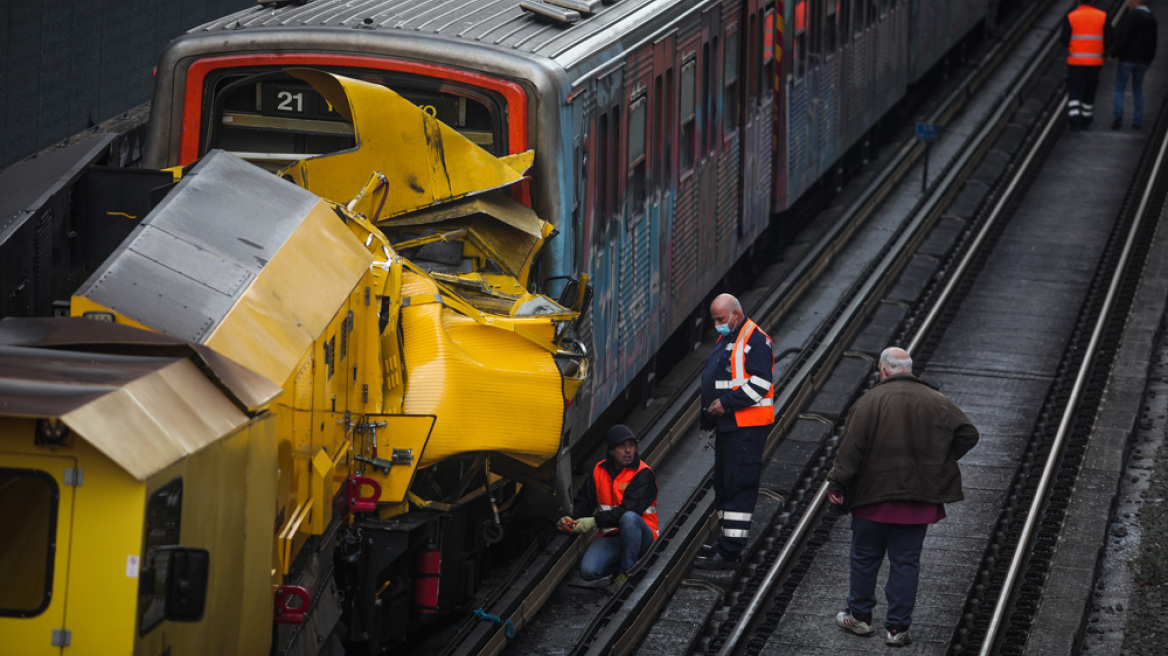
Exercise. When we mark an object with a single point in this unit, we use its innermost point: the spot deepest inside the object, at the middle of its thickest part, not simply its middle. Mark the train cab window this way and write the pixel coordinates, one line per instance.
(270, 116)
(28, 512)
(730, 86)
(688, 115)
(163, 524)
(637, 156)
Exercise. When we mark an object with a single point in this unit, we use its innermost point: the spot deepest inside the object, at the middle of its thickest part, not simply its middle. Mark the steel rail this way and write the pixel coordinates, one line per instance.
(794, 542)
(1068, 413)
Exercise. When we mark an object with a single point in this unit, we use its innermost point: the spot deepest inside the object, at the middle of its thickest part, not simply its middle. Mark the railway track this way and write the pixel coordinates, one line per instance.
(670, 436)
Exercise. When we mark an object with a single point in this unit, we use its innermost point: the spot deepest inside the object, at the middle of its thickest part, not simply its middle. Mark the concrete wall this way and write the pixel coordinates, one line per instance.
(66, 65)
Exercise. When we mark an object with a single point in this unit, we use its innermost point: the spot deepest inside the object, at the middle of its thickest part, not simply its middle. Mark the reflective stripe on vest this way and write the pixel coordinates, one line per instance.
(611, 493)
(761, 413)
(1087, 24)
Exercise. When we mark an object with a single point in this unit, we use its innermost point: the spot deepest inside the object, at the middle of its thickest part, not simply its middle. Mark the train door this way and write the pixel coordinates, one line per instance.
(662, 173)
(603, 209)
(706, 171)
(638, 288)
(685, 233)
(726, 87)
(36, 505)
(754, 84)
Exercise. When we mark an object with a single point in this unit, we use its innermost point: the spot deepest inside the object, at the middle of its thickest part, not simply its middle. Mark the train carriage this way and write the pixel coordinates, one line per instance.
(668, 136)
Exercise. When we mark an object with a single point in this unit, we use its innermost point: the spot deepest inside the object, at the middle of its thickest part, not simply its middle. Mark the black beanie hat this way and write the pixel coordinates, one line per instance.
(619, 433)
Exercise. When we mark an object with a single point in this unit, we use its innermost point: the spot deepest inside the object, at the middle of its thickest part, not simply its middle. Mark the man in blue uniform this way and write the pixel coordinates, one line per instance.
(737, 402)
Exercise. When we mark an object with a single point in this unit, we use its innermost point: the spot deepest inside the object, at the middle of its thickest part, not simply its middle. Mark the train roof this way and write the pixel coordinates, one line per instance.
(499, 24)
(144, 400)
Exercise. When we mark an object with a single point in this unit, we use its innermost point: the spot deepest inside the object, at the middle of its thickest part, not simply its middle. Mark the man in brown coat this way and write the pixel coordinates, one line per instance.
(895, 469)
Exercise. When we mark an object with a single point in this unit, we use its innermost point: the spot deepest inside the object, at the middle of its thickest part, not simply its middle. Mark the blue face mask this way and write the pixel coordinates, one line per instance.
(723, 329)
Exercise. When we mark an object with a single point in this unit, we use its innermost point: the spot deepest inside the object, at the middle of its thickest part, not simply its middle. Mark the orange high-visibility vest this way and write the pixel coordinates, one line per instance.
(610, 493)
(762, 413)
(1087, 24)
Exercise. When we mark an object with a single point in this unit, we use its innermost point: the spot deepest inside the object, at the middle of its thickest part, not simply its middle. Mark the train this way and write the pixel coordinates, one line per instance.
(438, 241)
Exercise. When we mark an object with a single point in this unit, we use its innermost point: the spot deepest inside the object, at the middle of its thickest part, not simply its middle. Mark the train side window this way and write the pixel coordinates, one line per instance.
(768, 49)
(730, 86)
(163, 524)
(829, 29)
(28, 512)
(601, 174)
(637, 157)
(800, 63)
(709, 97)
(688, 115)
(845, 22)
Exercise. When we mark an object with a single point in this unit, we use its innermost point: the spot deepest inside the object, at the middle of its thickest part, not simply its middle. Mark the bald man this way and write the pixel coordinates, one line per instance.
(895, 468)
(737, 402)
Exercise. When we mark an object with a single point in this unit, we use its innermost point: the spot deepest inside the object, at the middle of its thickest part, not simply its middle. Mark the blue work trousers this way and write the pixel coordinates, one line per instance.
(870, 542)
(1082, 81)
(1136, 72)
(737, 470)
(624, 548)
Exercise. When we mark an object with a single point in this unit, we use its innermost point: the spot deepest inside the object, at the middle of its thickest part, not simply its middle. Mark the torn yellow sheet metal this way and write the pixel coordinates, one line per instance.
(470, 374)
(424, 161)
(500, 229)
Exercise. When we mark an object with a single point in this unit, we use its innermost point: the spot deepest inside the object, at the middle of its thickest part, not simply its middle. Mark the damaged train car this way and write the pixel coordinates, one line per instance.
(384, 291)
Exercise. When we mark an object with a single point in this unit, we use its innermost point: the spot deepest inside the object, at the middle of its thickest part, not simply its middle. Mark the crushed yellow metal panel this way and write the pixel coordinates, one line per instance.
(500, 228)
(468, 374)
(424, 161)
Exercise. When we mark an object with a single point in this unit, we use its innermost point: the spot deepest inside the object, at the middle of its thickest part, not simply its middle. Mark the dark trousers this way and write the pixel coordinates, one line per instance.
(737, 469)
(1082, 81)
(902, 543)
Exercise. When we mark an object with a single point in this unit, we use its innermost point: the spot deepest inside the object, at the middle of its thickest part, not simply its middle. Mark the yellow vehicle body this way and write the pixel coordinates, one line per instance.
(87, 442)
(388, 366)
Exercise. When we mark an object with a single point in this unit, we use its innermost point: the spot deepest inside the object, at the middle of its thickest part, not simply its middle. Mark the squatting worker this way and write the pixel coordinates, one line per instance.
(1086, 33)
(1135, 47)
(895, 469)
(620, 498)
(737, 401)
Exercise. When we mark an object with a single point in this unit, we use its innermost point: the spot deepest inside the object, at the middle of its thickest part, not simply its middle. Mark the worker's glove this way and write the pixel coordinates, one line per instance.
(584, 524)
(566, 524)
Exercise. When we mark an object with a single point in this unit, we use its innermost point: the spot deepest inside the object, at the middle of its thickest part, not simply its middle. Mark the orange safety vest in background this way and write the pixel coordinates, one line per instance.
(761, 413)
(610, 493)
(1086, 48)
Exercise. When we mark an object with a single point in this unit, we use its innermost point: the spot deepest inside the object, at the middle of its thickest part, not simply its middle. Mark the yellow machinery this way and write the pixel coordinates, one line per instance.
(137, 494)
(385, 289)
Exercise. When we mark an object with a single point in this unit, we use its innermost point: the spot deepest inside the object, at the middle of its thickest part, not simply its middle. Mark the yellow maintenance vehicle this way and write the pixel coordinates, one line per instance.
(412, 391)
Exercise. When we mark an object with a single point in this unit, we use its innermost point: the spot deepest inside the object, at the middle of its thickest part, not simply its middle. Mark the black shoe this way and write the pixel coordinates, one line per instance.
(1117, 124)
(717, 561)
(1075, 127)
(1137, 126)
(707, 550)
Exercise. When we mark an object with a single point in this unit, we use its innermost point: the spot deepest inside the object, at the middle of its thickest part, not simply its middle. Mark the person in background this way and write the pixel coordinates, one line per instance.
(1135, 47)
(737, 401)
(1086, 34)
(895, 468)
(619, 497)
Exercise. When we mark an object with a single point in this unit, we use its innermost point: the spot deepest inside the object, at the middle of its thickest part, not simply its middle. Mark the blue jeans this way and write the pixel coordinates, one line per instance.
(624, 548)
(902, 542)
(1136, 72)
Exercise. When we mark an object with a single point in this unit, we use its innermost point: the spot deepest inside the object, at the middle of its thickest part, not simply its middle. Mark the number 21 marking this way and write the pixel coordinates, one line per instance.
(290, 102)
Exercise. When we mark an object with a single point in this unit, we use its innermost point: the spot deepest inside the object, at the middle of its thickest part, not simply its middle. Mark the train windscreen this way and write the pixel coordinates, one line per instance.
(271, 118)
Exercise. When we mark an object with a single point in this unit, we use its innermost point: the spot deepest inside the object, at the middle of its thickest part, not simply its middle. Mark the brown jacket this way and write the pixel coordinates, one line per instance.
(901, 442)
